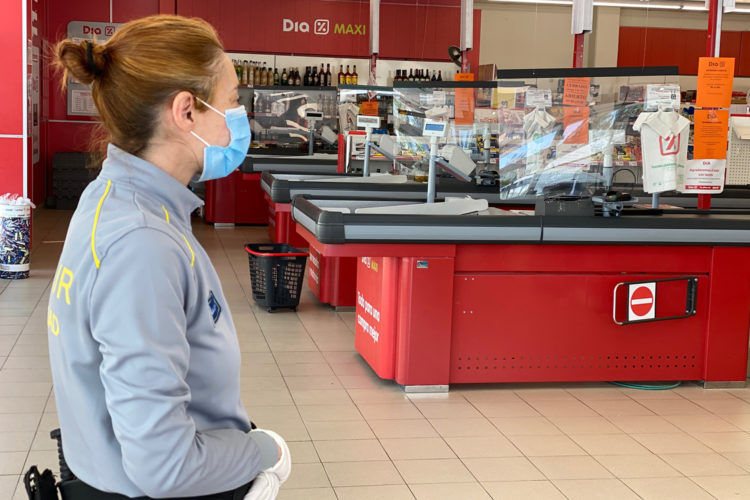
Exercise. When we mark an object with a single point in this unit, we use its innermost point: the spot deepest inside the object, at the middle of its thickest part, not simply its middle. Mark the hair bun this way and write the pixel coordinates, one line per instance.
(85, 61)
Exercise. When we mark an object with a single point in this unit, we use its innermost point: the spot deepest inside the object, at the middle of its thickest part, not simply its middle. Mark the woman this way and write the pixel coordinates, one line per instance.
(144, 354)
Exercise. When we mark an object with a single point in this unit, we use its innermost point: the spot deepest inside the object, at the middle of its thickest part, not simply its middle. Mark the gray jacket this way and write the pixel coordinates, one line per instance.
(144, 353)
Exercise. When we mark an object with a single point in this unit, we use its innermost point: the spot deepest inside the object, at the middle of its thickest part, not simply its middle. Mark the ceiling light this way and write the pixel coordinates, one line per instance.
(644, 5)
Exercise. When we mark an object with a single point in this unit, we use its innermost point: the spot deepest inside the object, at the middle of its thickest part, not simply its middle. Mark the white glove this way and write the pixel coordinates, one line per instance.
(265, 487)
(283, 467)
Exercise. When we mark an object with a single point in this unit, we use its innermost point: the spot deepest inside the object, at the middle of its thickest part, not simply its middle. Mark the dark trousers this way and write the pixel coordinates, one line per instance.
(78, 490)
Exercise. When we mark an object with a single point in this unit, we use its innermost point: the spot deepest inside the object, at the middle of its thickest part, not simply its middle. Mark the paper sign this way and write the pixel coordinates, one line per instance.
(710, 139)
(658, 96)
(715, 78)
(576, 91)
(576, 123)
(438, 98)
(370, 108)
(464, 105)
(704, 176)
(504, 98)
(538, 98)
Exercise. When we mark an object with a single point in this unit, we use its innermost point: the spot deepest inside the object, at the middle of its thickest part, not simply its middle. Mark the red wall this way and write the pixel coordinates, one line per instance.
(11, 99)
(682, 47)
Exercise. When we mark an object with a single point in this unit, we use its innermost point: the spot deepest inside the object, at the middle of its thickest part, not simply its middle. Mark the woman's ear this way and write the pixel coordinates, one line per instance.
(183, 107)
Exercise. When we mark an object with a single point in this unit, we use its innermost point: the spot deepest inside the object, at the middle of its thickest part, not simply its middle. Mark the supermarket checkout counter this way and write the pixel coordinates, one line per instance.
(318, 163)
(333, 280)
(499, 296)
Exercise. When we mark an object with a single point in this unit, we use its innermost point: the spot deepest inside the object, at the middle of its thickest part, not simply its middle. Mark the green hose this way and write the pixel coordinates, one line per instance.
(644, 387)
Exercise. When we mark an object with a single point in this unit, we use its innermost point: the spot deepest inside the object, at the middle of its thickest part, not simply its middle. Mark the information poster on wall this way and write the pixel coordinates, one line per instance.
(464, 101)
(79, 95)
(576, 123)
(703, 177)
(710, 138)
(576, 91)
(715, 79)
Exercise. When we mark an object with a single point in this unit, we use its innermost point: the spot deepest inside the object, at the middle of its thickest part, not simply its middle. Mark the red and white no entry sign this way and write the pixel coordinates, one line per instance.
(641, 301)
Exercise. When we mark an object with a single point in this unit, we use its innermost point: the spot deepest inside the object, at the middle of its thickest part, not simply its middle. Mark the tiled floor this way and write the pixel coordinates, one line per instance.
(354, 436)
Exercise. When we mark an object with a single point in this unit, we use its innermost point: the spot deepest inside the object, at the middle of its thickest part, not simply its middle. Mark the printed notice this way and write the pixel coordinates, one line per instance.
(464, 101)
(710, 139)
(715, 78)
(82, 103)
(370, 108)
(576, 123)
(576, 92)
(538, 98)
(660, 96)
(704, 176)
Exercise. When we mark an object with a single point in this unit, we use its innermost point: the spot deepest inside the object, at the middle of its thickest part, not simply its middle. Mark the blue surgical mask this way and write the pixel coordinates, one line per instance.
(221, 161)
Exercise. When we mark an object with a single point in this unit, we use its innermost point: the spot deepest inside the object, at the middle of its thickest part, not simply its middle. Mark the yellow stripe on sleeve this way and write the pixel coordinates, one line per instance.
(192, 260)
(166, 214)
(96, 221)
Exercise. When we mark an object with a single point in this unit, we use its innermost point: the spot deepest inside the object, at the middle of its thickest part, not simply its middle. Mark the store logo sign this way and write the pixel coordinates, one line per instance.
(320, 26)
(669, 145)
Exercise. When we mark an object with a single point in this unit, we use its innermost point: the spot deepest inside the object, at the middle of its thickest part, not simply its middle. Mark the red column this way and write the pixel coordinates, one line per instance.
(578, 46)
(13, 138)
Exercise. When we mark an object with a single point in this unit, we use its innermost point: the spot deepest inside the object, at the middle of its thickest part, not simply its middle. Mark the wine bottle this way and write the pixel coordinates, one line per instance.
(342, 77)
(355, 77)
(347, 76)
(328, 75)
(297, 78)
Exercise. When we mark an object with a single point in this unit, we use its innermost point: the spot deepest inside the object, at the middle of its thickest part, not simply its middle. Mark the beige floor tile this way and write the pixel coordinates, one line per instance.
(306, 494)
(351, 369)
(417, 448)
(616, 408)
(610, 444)
(725, 442)
(702, 423)
(398, 428)
(702, 464)
(546, 446)
(383, 395)
(250, 384)
(263, 415)
(19, 422)
(740, 421)
(562, 408)
(503, 469)
(313, 382)
(523, 490)
(623, 466)
(382, 411)
(22, 404)
(16, 441)
(464, 427)
(671, 443)
(450, 491)
(725, 406)
(494, 393)
(295, 363)
(577, 467)
(371, 473)
(674, 407)
(383, 492)
(725, 487)
(484, 446)
(12, 462)
(44, 459)
(335, 430)
(667, 488)
(508, 409)
(303, 452)
(433, 471)
(525, 426)
(638, 424)
(329, 413)
(307, 476)
(367, 381)
(544, 393)
(293, 429)
(598, 393)
(350, 450)
(741, 459)
(267, 397)
(8, 486)
(595, 489)
(460, 409)
(585, 425)
(321, 397)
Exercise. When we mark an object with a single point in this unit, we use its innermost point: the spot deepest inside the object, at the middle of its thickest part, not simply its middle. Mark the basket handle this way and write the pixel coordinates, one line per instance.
(264, 254)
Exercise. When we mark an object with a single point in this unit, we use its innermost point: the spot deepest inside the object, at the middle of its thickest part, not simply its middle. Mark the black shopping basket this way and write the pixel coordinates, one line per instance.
(276, 274)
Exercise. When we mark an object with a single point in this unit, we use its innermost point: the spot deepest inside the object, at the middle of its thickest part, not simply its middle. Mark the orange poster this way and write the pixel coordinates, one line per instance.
(710, 139)
(576, 91)
(576, 123)
(715, 78)
(464, 101)
(370, 108)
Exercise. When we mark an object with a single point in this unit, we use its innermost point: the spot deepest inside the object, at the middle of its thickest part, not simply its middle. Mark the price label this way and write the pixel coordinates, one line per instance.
(536, 98)
(364, 121)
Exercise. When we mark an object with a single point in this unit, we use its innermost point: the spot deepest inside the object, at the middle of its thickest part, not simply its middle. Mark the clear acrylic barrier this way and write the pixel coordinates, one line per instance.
(539, 136)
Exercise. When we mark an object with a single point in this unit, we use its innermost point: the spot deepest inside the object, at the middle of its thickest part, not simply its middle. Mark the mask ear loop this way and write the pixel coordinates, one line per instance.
(209, 106)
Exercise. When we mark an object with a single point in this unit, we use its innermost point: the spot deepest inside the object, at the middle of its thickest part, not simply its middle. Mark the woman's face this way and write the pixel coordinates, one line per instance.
(210, 125)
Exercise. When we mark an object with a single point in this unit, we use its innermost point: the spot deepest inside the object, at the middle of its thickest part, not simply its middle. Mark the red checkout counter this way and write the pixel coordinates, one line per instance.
(499, 297)
(333, 279)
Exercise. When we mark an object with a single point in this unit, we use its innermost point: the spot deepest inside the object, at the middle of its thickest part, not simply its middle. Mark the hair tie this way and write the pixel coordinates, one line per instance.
(97, 71)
